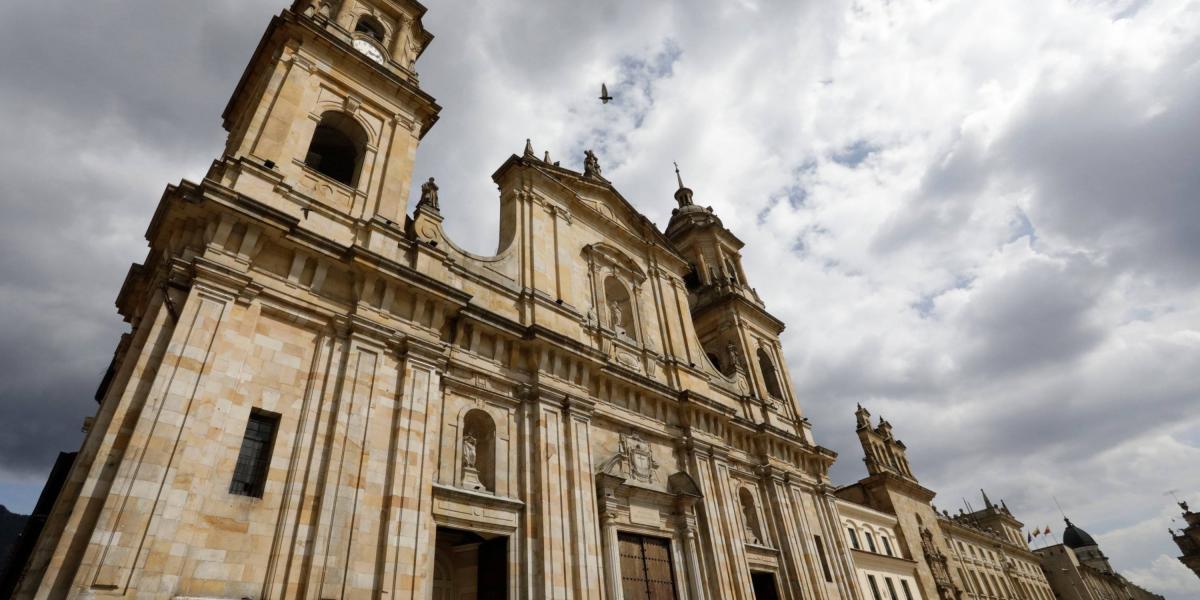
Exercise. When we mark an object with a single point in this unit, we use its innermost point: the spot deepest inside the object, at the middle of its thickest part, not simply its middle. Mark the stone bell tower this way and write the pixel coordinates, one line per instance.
(246, 442)
(329, 112)
(739, 336)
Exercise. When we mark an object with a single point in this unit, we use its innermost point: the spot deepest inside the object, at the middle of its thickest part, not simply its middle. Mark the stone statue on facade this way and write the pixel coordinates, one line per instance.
(469, 443)
(470, 473)
(429, 195)
(734, 356)
(591, 165)
(616, 316)
(751, 530)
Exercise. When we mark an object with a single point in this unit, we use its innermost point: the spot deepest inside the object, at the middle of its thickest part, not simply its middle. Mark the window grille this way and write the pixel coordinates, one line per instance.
(250, 474)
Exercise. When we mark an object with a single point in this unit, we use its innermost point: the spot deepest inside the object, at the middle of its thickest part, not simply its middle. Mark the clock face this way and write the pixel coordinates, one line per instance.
(370, 50)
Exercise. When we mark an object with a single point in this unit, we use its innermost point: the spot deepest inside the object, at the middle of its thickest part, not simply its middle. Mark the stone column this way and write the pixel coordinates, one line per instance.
(411, 533)
(585, 521)
(687, 527)
(612, 555)
(717, 525)
(791, 540)
(566, 549)
(338, 556)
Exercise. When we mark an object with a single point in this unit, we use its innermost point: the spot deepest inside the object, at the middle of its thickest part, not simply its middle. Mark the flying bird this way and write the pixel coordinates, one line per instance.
(604, 97)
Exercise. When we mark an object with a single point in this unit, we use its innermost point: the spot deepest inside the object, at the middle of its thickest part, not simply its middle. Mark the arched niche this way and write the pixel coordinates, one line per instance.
(369, 26)
(619, 305)
(478, 451)
(616, 280)
(750, 517)
(337, 148)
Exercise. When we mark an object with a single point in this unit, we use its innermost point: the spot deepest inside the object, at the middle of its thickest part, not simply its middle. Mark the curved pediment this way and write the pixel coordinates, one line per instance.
(606, 255)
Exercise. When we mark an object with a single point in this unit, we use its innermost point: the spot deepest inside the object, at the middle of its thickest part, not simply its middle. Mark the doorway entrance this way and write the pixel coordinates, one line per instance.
(647, 572)
(764, 585)
(470, 566)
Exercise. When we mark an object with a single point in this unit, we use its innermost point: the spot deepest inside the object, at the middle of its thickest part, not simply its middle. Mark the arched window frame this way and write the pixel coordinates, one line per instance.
(769, 372)
(605, 261)
(332, 124)
(480, 425)
(370, 26)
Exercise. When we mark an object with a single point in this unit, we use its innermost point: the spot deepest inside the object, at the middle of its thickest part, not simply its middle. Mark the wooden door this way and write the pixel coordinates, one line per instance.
(647, 572)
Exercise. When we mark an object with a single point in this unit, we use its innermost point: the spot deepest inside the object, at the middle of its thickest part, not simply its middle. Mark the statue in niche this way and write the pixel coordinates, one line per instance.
(734, 357)
(429, 195)
(469, 443)
(616, 316)
(748, 517)
(591, 165)
(470, 478)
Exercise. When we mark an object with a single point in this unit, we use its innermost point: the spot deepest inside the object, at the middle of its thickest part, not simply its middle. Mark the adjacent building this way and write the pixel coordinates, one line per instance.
(977, 555)
(1078, 569)
(1188, 539)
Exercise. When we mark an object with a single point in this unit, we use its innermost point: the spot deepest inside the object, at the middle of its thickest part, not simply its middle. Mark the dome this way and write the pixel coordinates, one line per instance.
(1075, 537)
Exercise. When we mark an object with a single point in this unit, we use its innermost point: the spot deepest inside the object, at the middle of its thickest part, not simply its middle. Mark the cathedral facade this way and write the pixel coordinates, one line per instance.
(322, 396)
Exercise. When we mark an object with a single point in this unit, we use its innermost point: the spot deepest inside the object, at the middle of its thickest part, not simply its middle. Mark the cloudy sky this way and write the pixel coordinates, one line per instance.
(979, 218)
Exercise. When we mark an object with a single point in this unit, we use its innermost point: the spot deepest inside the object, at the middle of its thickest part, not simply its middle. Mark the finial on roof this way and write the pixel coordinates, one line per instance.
(528, 147)
(683, 195)
(986, 502)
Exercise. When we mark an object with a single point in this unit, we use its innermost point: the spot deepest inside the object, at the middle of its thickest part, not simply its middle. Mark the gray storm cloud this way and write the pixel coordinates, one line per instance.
(979, 219)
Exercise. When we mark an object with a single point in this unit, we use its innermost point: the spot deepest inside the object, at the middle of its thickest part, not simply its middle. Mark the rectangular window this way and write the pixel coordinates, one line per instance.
(250, 474)
(870, 541)
(853, 537)
(824, 560)
(907, 592)
(887, 546)
(966, 582)
(646, 570)
(891, 588)
(874, 587)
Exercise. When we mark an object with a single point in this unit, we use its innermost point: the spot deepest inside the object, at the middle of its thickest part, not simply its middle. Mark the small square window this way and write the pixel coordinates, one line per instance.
(250, 473)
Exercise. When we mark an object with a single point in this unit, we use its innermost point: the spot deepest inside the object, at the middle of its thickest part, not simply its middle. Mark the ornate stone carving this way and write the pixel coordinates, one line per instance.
(634, 460)
(937, 564)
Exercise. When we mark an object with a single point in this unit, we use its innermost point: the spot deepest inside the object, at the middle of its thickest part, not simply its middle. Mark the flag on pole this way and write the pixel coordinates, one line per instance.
(1037, 532)
(1047, 532)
